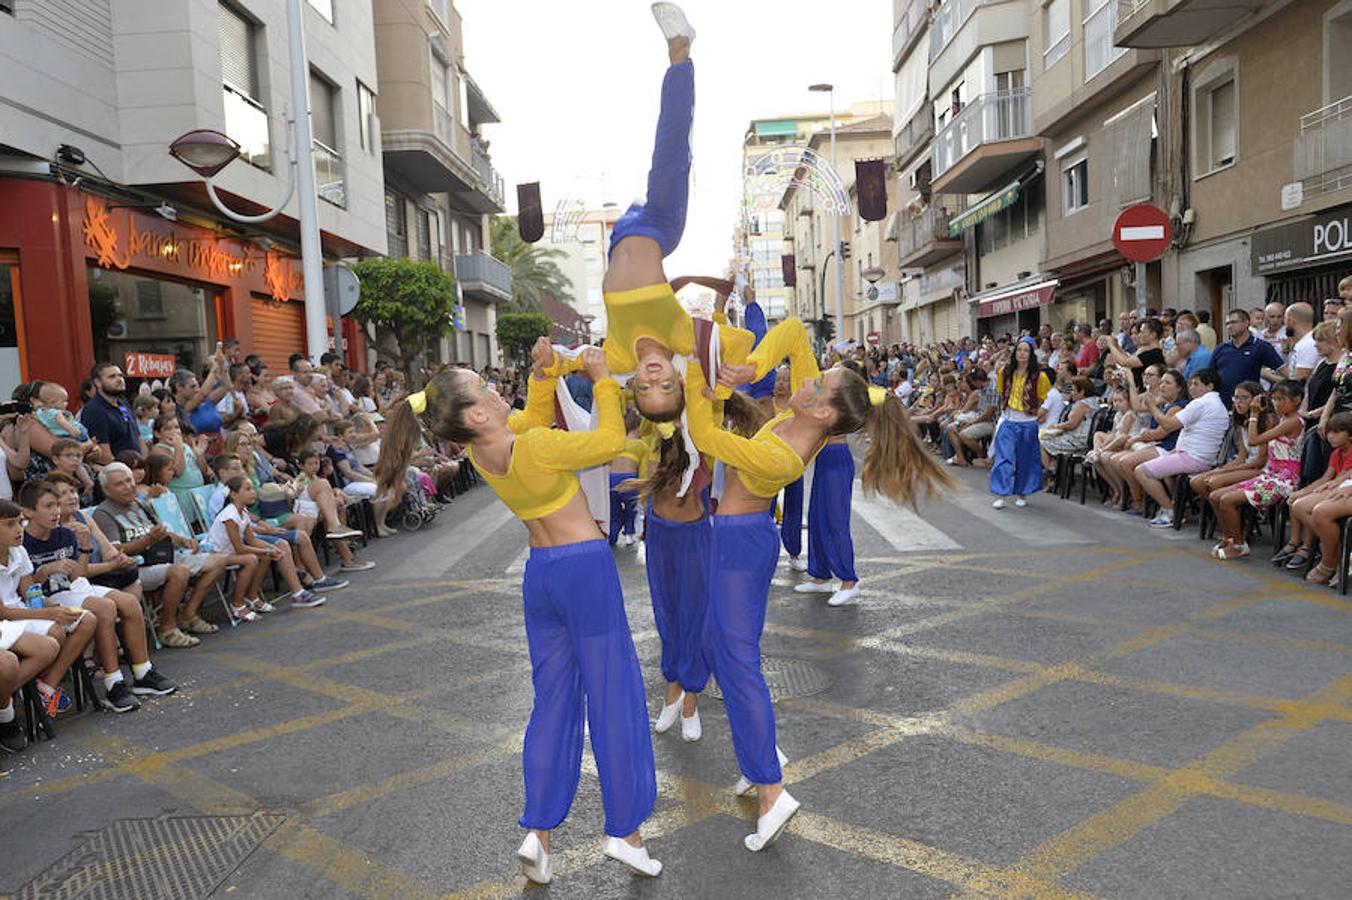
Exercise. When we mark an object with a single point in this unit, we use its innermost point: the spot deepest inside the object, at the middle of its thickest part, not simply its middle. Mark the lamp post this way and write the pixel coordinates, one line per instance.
(830, 91)
(207, 152)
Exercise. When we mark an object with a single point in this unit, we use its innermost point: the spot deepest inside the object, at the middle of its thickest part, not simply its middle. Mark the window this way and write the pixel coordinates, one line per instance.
(366, 117)
(1220, 102)
(396, 224)
(1099, 50)
(423, 219)
(324, 8)
(246, 118)
(324, 129)
(1075, 184)
(1215, 99)
(442, 92)
(438, 8)
(1055, 32)
(1018, 221)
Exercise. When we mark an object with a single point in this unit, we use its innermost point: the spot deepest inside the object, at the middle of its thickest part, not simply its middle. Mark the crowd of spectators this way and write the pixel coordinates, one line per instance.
(1171, 419)
(121, 522)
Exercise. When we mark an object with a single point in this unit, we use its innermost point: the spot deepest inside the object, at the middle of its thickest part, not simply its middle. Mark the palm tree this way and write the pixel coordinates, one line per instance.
(534, 271)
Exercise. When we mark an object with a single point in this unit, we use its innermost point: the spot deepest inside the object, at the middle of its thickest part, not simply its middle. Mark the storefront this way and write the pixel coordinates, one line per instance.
(1304, 260)
(83, 278)
(1013, 309)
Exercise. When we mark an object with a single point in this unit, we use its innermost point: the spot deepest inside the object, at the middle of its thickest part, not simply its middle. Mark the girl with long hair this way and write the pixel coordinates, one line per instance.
(745, 545)
(582, 652)
(1017, 468)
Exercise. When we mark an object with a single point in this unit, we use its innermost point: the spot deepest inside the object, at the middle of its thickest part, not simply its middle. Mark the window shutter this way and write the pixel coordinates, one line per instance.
(237, 64)
(321, 112)
(1223, 125)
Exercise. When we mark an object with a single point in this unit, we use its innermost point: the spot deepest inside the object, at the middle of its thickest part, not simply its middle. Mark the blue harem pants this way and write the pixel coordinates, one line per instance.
(623, 506)
(1017, 467)
(791, 527)
(661, 216)
(678, 580)
(830, 548)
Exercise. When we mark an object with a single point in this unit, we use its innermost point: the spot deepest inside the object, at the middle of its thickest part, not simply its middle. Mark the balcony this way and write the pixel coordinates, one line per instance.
(948, 19)
(1176, 23)
(915, 134)
(987, 138)
(246, 123)
(906, 31)
(1324, 149)
(329, 183)
(924, 239)
(482, 277)
(489, 179)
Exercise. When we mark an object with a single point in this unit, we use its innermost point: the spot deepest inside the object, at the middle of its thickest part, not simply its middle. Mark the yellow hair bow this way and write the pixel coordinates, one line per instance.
(418, 402)
(666, 429)
(877, 395)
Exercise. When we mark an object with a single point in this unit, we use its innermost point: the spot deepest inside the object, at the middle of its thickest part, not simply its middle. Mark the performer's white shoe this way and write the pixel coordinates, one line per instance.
(771, 825)
(844, 597)
(667, 717)
(534, 860)
(743, 787)
(812, 587)
(671, 19)
(690, 727)
(797, 563)
(636, 858)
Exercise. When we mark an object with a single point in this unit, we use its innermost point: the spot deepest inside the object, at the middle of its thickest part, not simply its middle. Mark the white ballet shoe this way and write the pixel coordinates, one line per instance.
(534, 860)
(636, 858)
(812, 587)
(798, 564)
(771, 825)
(671, 19)
(667, 717)
(690, 727)
(844, 597)
(743, 787)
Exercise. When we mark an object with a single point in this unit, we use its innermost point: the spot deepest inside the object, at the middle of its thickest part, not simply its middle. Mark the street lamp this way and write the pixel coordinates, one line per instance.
(207, 152)
(830, 91)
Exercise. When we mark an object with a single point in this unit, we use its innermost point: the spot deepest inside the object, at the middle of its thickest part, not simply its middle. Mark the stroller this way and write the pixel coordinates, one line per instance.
(417, 507)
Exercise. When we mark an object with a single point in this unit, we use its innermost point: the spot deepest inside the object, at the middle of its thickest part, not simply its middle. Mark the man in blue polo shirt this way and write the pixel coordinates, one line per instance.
(1244, 357)
(110, 423)
(1192, 356)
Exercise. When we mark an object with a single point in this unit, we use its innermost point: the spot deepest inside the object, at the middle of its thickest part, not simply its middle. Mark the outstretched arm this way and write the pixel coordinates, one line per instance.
(564, 451)
(764, 459)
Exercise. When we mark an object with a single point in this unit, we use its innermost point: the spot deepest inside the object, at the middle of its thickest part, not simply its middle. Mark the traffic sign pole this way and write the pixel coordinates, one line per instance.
(1141, 234)
(1140, 290)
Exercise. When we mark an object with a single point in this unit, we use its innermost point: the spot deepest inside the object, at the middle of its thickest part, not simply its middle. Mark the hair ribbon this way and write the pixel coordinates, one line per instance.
(666, 429)
(877, 395)
(417, 402)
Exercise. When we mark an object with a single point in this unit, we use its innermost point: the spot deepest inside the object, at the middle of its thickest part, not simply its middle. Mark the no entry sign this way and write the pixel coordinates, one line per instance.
(1141, 233)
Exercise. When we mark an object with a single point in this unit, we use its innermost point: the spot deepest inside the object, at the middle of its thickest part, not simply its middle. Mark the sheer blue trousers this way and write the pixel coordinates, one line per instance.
(661, 216)
(678, 580)
(1017, 467)
(830, 548)
(623, 506)
(791, 527)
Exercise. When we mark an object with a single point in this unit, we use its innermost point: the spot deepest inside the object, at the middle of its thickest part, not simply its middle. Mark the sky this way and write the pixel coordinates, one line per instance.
(576, 84)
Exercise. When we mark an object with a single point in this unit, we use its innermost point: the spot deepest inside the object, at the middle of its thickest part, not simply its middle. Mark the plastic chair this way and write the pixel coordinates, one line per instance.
(1229, 449)
(171, 515)
(1066, 463)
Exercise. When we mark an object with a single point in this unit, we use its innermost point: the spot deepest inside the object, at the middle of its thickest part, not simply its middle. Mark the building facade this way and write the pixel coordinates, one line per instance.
(582, 236)
(108, 246)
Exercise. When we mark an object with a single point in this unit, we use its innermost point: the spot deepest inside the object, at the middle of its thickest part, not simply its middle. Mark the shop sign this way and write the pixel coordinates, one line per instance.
(149, 365)
(130, 241)
(1018, 300)
(1307, 242)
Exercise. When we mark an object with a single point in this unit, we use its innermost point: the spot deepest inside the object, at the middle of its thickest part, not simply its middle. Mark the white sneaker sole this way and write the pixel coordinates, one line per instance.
(534, 861)
(776, 820)
(671, 19)
(635, 858)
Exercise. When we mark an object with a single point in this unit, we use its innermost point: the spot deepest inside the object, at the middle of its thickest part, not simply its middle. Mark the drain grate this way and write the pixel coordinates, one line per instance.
(786, 678)
(149, 859)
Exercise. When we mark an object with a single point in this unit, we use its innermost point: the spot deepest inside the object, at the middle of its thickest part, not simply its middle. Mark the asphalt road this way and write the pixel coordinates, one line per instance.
(1033, 702)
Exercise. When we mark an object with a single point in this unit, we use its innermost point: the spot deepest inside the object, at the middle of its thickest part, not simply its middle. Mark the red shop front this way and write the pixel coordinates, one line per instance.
(84, 279)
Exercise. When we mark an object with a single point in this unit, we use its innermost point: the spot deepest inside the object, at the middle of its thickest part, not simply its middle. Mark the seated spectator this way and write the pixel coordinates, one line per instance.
(1189, 353)
(1126, 426)
(105, 566)
(1120, 468)
(188, 455)
(232, 531)
(1147, 351)
(110, 421)
(22, 656)
(1334, 485)
(965, 437)
(1201, 427)
(13, 451)
(60, 563)
(196, 404)
(1072, 435)
(233, 406)
(1249, 459)
(318, 500)
(135, 530)
(159, 472)
(54, 413)
(68, 458)
(259, 395)
(146, 408)
(352, 478)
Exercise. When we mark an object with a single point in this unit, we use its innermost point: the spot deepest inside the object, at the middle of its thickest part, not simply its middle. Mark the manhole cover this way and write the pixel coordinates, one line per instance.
(149, 859)
(786, 678)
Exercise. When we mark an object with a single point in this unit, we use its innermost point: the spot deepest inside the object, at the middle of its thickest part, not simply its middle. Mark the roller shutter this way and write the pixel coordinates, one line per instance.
(278, 331)
(945, 322)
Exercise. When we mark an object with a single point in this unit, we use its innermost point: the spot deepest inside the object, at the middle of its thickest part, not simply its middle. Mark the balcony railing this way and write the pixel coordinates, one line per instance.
(329, 183)
(912, 20)
(444, 124)
(488, 176)
(1324, 148)
(247, 123)
(483, 268)
(921, 231)
(915, 132)
(997, 116)
(1127, 8)
(947, 20)
(1099, 49)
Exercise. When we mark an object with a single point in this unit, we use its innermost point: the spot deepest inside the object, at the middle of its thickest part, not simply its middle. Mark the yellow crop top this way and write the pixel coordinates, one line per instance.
(1044, 386)
(539, 479)
(634, 449)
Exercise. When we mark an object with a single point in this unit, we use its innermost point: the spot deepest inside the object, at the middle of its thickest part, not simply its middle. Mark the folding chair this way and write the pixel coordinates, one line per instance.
(1207, 516)
(170, 513)
(147, 608)
(1066, 463)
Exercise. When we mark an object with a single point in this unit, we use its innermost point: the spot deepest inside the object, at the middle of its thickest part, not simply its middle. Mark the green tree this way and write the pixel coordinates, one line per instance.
(518, 332)
(409, 300)
(534, 271)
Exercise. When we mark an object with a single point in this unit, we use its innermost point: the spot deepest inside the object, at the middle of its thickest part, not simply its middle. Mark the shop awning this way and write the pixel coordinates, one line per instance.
(1001, 199)
(1017, 298)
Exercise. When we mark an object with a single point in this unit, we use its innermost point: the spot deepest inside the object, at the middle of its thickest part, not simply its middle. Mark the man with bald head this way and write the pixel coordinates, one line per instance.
(1303, 356)
(1274, 326)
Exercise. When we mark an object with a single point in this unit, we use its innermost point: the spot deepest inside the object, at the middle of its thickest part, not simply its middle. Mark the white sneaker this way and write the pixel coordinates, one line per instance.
(690, 727)
(636, 858)
(812, 587)
(1020, 502)
(797, 563)
(771, 825)
(343, 534)
(667, 717)
(534, 860)
(844, 597)
(999, 503)
(671, 19)
(743, 787)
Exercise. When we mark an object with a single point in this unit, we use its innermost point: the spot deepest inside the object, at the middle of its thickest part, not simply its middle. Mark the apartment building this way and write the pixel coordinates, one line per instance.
(583, 237)
(110, 248)
(440, 184)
